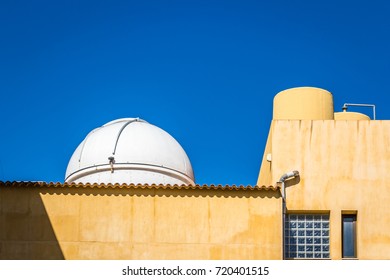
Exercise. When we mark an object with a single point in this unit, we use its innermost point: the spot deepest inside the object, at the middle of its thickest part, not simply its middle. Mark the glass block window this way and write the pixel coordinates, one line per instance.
(307, 236)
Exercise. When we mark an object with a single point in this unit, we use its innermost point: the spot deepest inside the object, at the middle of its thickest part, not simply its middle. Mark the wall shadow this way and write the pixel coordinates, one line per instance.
(293, 181)
(26, 232)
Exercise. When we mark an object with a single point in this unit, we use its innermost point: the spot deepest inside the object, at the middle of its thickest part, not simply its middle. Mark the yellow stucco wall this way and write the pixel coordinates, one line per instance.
(139, 223)
(344, 166)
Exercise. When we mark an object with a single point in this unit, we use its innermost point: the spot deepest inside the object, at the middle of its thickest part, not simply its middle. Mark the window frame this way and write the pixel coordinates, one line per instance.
(345, 217)
(308, 241)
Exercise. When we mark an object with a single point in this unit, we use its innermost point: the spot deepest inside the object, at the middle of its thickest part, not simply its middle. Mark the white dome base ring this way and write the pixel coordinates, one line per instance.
(133, 173)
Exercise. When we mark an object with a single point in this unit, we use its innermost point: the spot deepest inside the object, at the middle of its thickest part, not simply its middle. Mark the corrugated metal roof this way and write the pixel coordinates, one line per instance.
(141, 186)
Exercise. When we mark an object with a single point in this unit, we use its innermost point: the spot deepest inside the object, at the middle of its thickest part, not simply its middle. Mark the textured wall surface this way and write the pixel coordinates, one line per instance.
(344, 166)
(139, 223)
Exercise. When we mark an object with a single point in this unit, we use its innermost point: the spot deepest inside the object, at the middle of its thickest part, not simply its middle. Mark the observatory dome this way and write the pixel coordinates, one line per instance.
(128, 151)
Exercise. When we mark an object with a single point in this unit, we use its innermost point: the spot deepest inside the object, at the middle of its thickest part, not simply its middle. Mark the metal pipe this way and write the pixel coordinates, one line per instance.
(345, 107)
(286, 176)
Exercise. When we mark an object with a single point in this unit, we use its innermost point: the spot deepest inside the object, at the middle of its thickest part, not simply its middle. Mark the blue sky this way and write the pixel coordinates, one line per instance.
(204, 71)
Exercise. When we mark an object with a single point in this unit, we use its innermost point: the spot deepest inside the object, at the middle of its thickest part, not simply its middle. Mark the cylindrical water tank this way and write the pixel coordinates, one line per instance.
(351, 116)
(303, 103)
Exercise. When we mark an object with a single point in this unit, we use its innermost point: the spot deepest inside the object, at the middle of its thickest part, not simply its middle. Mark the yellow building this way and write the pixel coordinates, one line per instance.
(322, 193)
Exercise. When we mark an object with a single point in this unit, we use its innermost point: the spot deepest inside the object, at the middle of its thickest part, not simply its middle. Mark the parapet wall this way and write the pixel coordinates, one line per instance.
(90, 222)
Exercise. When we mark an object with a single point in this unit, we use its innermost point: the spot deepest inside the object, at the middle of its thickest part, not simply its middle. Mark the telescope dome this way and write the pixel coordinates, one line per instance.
(130, 151)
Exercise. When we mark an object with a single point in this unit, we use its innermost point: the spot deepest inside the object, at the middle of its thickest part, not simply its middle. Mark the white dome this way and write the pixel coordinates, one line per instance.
(129, 151)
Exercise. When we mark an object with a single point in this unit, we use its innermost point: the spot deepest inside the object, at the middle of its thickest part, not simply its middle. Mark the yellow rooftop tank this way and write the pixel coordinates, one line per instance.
(303, 103)
(351, 116)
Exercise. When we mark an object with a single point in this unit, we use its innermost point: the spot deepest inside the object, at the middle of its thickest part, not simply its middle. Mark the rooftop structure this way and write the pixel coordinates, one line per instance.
(130, 151)
(322, 193)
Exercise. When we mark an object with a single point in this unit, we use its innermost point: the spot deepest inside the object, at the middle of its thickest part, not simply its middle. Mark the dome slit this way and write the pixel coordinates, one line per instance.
(121, 130)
